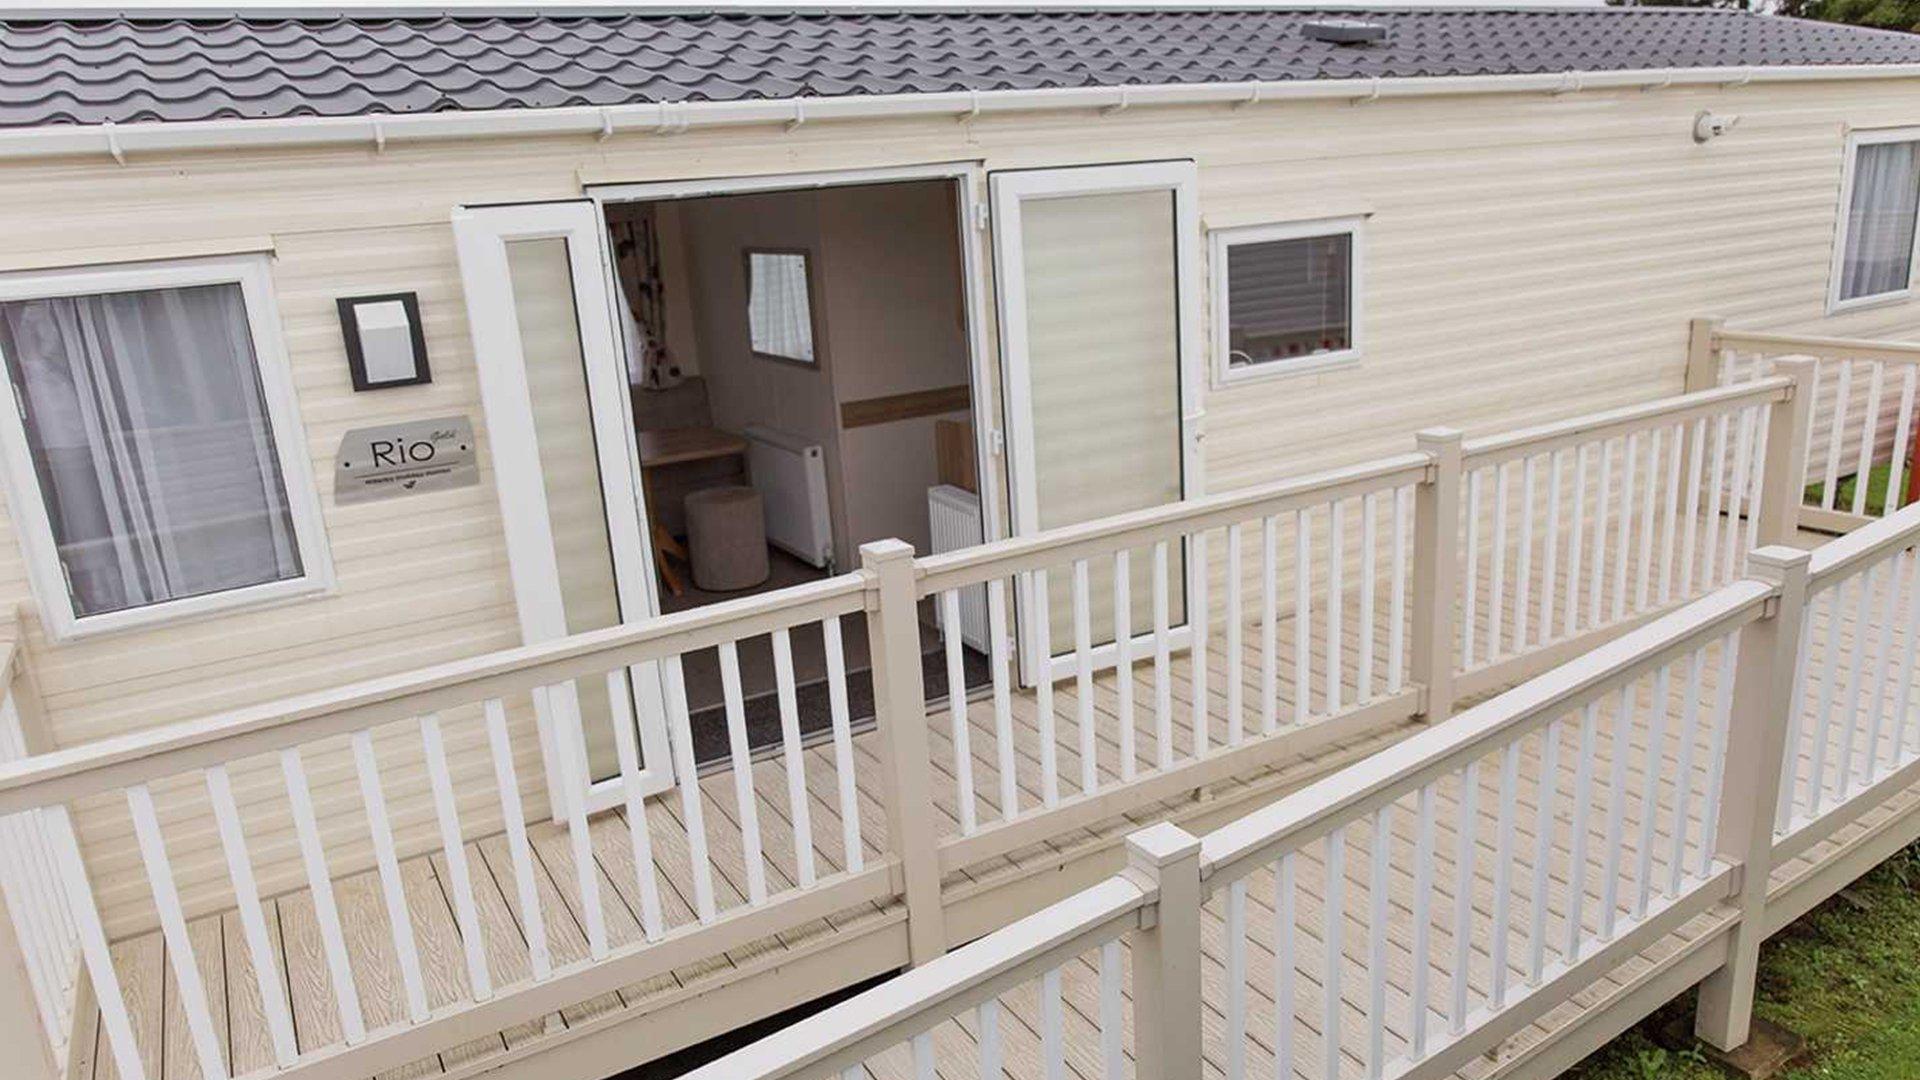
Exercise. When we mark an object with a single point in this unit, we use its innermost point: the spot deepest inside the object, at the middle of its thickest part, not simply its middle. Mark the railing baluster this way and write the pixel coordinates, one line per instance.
(1902, 443)
(1377, 889)
(95, 951)
(1302, 615)
(1911, 640)
(836, 660)
(1123, 663)
(957, 712)
(1002, 698)
(1199, 620)
(519, 852)
(1501, 927)
(1696, 457)
(1523, 602)
(1617, 754)
(1656, 757)
(1470, 605)
(1497, 602)
(1717, 753)
(1722, 431)
(1336, 602)
(1577, 818)
(1397, 598)
(1836, 435)
(1236, 979)
(1550, 552)
(1285, 961)
(399, 918)
(1236, 692)
(987, 1026)
(924, 1066)
(1869, 439)
(1113, 1058)
(687, 777)
(1602, 502)
(1083, 678)
(1162, 661)
(799, 802)
(1790, 760)
(453, 848)
(1856, 664)
(1882, 665)
(1053, 1041)
(1369, 538)
(746, 800)
(1039, 602)
(253, 922)
(1669, 530)
(1683, 780)
(1575, 533)
(1643, 588)
(1744, 440)
(320, 886)
(1463, 863)
(1422, 921)
(1623, 560)
(173, 927)
(1823, 718)
(1336, 917)
(1756, 482)
(1543, 822)
(1269, 625)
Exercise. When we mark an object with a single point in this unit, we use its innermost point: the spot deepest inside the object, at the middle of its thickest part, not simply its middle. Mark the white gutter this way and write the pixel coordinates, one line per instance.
(119, 141)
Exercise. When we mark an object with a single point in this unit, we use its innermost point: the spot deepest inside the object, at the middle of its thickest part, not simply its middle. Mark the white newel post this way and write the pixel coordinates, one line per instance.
(1436, 568)
(900, 713)
(1166, 954)
(1784, 475)
(21, 1030)
(1757, 739)
(1703, 354)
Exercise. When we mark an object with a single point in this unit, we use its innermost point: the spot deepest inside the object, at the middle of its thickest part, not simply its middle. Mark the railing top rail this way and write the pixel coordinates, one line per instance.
(1237, 849)
(924, 996)
(1864, 546)
(1837, 348)
(110, 764)
(1104, 536)
(1542, 438)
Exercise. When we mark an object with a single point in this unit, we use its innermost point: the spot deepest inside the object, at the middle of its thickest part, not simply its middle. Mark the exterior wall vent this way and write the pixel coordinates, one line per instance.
(1344, 31)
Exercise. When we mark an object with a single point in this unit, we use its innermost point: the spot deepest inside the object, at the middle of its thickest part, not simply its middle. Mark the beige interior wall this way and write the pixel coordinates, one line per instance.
(1528, 256)
(683, 333)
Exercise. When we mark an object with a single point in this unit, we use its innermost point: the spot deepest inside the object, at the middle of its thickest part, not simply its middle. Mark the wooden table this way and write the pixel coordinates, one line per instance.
(679, 446)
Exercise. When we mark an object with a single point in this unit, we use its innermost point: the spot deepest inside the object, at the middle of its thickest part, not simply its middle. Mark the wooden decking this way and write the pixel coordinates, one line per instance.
(226, 968)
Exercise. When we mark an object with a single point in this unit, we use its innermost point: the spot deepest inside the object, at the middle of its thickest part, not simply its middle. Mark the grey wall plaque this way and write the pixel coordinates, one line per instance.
(405, 459)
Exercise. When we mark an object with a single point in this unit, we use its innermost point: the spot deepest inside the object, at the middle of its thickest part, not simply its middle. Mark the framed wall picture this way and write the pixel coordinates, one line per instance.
(780, 306)
(385, 344)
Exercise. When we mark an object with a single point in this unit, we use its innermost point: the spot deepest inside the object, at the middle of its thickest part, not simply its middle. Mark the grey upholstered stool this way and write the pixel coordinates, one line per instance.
(726, 538)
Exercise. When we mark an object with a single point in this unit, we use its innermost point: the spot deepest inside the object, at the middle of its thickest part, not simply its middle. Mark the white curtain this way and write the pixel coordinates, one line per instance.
(1880, 218)
(777, 305)
(150, 437)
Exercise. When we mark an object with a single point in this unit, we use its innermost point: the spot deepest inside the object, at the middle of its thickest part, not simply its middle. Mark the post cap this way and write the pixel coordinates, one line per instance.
(1778, 562)
(1158, 846)
(879, 551)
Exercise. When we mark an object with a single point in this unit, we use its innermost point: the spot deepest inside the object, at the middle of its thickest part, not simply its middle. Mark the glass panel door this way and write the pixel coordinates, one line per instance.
(1098, 306)
(560, 431)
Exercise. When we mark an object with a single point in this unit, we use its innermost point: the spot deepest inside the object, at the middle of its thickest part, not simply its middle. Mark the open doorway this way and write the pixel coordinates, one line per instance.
(802, 383)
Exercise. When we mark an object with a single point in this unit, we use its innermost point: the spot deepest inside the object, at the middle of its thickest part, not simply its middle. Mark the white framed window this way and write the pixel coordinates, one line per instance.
(1286, 298)
(1879, 201)
(155, 462)
(780, 305)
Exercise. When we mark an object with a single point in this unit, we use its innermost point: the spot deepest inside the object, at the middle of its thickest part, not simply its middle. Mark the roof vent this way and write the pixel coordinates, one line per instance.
(1344, 31)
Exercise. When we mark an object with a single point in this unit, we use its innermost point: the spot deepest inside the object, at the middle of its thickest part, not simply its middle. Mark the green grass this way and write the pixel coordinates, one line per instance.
(1845, 976)
(1843, 491)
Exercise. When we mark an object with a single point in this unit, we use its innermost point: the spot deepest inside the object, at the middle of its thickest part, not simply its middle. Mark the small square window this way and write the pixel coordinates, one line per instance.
(780, 306)
(1285, 297)
(1877, 216)
(152, 444)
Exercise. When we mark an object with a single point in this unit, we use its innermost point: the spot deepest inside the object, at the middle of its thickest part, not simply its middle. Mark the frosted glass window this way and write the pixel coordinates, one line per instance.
(779, 306)
(1878, 258)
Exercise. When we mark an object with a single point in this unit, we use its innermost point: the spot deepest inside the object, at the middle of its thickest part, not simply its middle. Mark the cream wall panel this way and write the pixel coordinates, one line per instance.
(1529, 256)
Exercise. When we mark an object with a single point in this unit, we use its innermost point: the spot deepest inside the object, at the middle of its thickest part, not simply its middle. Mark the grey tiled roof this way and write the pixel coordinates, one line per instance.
(89, 70)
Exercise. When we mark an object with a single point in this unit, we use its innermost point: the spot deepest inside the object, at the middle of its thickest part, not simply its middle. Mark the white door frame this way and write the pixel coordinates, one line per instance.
(480, 238)
(967, 177)
(1009, 189)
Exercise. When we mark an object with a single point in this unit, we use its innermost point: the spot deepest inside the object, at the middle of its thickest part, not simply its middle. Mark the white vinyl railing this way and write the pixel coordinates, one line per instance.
(1336, 601)
(1691, 723)
(1861, 403)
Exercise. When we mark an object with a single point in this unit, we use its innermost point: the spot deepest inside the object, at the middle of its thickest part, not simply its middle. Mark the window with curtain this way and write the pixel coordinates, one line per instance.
(151, 440)
(779, 306)
(1285, 294)
(1877, 255)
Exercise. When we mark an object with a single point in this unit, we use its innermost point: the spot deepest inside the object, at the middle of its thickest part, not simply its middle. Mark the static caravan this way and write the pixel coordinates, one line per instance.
(536, 540)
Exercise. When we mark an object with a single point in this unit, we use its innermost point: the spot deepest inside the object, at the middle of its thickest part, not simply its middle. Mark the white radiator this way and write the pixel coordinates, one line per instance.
(791, 475)
(954, 515)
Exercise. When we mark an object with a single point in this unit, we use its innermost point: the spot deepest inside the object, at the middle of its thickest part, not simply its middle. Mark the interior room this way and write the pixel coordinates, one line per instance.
(801, 383)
